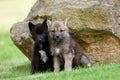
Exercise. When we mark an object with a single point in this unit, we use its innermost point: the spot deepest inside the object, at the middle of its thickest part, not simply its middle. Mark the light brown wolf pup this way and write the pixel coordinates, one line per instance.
(63, 48)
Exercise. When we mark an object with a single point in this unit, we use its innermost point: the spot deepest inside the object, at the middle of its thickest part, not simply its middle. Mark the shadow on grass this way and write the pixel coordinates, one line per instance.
(21, 68)
(16, 71)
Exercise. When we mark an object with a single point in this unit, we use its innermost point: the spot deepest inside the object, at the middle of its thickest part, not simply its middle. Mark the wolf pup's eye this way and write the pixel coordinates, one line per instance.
(61, 30)
(53, 31)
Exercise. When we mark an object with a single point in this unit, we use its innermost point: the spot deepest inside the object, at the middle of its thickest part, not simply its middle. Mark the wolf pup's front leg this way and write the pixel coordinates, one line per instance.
(56, 64)
(68, 61)
(35, 63)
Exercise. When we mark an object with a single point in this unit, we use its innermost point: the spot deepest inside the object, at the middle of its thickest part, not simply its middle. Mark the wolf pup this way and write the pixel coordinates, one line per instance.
(41, 57)
(64, 49)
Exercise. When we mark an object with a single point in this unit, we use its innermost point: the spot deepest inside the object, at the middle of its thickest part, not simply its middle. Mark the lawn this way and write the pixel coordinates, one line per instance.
(15, 66)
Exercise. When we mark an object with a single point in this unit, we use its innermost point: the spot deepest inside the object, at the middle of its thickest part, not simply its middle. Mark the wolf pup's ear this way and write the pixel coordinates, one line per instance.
(45, 24)
(65, 21)
(31, 26)
(48, 23)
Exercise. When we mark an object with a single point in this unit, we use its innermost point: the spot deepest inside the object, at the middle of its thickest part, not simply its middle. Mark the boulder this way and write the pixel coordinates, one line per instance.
(94, 24)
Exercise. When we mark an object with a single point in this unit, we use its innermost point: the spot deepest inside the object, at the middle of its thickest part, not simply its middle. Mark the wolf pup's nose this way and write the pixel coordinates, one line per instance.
(57, 37)
(40, 40)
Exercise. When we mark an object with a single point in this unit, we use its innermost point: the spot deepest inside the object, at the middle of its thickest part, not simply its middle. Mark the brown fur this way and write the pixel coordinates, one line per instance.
(64, 49)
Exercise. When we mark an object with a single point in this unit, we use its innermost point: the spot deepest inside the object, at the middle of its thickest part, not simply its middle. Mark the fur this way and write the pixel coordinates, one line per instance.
(64, 49)
(41, 56)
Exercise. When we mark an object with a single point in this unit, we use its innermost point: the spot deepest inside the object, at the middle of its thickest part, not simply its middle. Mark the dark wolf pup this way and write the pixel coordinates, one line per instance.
(64, 49)
(41, 57)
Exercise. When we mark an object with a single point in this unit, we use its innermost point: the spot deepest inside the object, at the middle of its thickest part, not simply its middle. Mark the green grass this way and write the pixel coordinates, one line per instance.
(15, 66)
(12, 61)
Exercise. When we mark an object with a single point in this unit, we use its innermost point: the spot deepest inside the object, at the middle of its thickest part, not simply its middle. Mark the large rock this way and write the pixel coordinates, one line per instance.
(94, 24)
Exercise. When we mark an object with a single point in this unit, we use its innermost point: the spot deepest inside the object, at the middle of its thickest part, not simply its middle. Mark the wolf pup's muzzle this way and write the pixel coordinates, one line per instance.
(57, 38)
